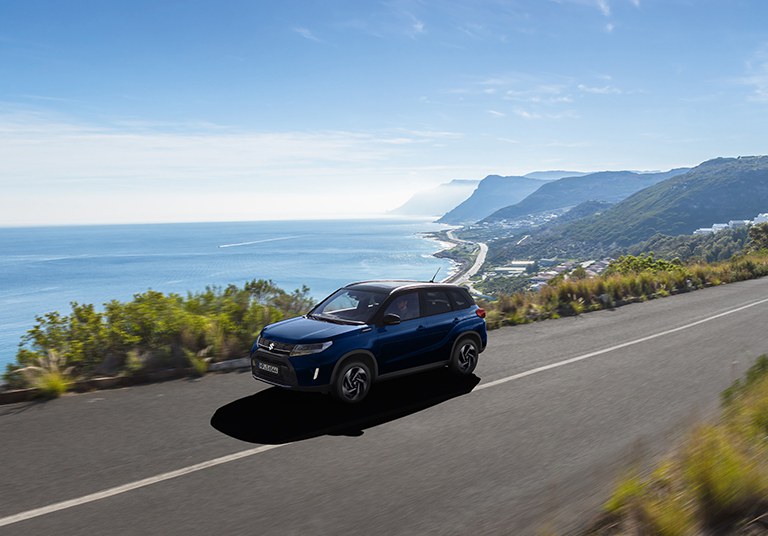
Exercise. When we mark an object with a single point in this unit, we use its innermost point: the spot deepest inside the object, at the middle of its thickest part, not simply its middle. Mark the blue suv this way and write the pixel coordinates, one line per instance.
(370, 331)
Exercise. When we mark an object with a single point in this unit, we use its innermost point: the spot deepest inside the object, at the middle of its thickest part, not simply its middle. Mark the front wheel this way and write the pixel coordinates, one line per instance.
(352, 382)
(464, 358)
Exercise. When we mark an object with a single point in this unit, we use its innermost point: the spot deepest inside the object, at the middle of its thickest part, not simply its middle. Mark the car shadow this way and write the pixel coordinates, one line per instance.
(276, 416)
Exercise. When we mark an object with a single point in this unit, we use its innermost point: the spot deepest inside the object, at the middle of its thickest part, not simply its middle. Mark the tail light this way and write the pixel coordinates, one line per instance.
(480, 312)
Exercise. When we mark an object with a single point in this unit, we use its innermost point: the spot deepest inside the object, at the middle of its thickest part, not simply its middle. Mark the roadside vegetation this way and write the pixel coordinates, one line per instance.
(628, 279)
(716, 482)
(151, 332)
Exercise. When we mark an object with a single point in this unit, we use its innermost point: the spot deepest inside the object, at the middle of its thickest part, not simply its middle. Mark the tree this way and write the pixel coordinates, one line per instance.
(758, 237)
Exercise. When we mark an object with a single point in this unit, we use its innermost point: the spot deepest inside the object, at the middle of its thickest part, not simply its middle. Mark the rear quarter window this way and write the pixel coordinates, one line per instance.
(461, 299)
(435, 302)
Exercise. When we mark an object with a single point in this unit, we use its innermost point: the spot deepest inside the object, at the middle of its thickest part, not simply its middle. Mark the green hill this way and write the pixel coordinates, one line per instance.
(714, 192)
(608, 186)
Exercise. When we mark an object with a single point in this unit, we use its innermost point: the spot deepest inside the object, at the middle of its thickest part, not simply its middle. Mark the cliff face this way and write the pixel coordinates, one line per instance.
(493, 192)
(438, 200)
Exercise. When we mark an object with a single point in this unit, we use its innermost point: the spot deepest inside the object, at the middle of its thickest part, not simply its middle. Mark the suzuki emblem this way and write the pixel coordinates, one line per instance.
(271, 346)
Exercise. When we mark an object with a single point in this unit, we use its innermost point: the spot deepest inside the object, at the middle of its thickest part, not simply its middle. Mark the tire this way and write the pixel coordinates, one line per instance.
(464, 357)
(352, 382)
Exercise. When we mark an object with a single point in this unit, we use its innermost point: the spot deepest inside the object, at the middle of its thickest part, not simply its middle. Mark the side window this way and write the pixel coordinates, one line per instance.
(406, 306)
(436, 302)
(461, 299)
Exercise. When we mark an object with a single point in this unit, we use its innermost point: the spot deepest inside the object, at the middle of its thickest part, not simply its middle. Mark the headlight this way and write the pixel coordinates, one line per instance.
(314, 348)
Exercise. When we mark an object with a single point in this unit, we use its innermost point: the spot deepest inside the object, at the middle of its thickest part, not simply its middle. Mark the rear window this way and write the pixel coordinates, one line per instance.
(461, 299)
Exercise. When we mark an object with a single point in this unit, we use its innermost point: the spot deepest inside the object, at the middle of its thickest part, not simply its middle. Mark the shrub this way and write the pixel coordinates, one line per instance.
(197, 362)
(47, 375)
(628, 493)
(725, 481)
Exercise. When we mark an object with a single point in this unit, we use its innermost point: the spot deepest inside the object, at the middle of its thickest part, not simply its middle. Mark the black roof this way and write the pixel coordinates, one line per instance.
(391, 285)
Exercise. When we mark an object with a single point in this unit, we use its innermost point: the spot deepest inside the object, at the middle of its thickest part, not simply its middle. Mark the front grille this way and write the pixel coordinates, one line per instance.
(285, 376)
(276, 347)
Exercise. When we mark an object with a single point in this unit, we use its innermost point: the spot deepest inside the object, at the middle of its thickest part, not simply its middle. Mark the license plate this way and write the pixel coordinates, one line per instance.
(267, 368)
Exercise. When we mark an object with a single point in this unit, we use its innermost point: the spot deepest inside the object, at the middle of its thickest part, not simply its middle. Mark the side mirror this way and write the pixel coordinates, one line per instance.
(391, 319)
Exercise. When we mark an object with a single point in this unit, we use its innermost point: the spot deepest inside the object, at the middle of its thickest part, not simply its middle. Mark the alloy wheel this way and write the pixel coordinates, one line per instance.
(467, 357)
(355, 383)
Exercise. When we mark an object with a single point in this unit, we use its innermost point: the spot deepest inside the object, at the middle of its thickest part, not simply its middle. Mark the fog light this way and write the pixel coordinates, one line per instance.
(317, 371)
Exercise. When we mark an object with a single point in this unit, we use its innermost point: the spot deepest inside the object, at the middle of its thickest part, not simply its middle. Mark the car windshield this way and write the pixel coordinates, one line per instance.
(349, 306)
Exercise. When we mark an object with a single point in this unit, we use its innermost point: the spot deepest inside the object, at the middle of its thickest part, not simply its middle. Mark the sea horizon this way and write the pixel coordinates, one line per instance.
(44, 268)
(377, 217)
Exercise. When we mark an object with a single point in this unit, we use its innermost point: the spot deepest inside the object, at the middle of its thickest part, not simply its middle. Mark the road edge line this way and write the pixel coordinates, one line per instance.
(615, 347)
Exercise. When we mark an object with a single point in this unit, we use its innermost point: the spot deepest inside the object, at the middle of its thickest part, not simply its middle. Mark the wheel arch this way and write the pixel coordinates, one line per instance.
(363, 355)
(471, 334)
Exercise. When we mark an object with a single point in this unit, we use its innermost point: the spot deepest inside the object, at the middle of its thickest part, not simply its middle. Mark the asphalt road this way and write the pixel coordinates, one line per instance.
(557, 411)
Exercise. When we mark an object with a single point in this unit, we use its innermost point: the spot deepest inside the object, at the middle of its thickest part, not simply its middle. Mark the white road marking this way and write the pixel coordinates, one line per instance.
(37, 512)
(612, 348)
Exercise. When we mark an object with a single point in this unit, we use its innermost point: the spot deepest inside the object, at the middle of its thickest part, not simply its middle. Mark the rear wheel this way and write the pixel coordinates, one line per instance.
(464, 358)
(352, 382)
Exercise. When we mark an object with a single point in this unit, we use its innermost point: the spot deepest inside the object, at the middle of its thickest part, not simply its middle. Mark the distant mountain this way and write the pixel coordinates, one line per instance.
(587, 208)
(438, 200)
(716, 191)
(493, 193)
(554, 175)
(607, 186)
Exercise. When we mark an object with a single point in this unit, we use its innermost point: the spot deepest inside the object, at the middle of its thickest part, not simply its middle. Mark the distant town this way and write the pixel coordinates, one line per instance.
(733, 224)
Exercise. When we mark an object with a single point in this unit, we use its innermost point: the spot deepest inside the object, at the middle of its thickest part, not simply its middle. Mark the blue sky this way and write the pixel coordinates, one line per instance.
(195, 110)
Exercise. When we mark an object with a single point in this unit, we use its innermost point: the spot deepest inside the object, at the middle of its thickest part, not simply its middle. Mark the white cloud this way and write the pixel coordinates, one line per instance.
(757, 75)
(604, 90)
(604, 7)
(541, 93)
(307, 34)
(527, 114)
(496, 113)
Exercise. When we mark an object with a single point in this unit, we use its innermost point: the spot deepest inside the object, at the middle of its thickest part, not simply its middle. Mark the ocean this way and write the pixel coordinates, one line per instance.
(43, 269)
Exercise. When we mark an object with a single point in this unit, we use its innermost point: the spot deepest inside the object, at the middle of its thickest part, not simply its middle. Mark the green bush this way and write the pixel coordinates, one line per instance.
(725, 480)
(156, 330)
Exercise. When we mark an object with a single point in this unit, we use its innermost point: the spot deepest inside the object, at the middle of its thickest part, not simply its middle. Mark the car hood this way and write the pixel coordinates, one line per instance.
(307, 330)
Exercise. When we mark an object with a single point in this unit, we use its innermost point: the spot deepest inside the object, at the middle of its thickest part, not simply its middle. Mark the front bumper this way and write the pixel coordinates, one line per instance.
(286, 375)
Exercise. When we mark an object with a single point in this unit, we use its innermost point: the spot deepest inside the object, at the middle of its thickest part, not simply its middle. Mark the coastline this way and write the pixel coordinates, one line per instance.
(467, 257)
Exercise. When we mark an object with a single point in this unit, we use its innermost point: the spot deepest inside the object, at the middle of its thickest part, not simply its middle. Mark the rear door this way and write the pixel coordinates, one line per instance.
(438, 320)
